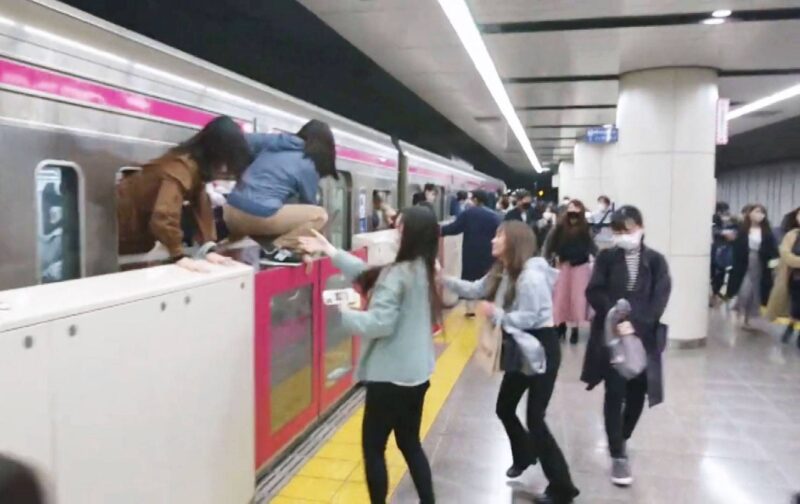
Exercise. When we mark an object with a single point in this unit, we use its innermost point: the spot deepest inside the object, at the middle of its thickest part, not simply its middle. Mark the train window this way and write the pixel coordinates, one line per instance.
(125, 172)
(338, 358)
(381, 209)
(335, 197)
(292, 357)
(59, 234)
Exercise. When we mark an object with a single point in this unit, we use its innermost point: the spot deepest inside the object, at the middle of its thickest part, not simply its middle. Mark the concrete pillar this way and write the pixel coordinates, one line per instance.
(665, 166)
(587, 179)
(566, 175)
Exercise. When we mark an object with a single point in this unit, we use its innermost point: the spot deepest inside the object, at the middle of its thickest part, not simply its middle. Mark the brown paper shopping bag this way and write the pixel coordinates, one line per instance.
(490, 343)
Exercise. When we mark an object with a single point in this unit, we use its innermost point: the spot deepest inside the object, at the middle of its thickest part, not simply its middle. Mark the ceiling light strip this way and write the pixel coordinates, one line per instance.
(765, 102)
(460, 18)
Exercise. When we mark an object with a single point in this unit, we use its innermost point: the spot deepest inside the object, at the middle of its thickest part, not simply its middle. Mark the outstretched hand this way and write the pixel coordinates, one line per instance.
(316, 244)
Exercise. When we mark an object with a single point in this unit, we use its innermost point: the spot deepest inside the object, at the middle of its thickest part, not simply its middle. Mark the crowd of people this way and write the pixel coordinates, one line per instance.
(535, 272)
(757, 266)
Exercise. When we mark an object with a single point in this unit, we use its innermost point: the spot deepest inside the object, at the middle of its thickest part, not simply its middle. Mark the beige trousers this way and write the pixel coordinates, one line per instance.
(285, 226)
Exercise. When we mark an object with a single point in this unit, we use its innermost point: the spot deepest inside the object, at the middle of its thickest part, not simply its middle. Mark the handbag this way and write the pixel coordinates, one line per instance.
(626, 351)
(490, 344)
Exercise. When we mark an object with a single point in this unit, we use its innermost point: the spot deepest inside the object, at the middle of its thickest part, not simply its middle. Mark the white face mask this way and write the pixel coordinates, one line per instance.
(602, 207)
(628, 241)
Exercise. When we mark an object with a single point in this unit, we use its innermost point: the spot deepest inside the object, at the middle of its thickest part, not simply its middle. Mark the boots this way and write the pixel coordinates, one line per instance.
(562, 331)
(573, 337)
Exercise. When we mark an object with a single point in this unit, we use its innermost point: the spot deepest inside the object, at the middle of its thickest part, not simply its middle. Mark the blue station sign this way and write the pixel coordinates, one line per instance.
(602, 135)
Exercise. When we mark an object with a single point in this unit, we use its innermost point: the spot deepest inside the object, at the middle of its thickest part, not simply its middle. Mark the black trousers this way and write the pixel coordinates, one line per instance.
(537, 442)
(388, 408)
(624, 402)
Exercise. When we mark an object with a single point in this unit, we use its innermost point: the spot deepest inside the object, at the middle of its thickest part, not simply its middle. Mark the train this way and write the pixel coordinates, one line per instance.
(83, 102)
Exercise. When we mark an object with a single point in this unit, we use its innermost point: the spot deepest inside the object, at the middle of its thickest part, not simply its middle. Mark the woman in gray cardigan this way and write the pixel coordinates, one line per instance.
(518, 294)
(398, 357)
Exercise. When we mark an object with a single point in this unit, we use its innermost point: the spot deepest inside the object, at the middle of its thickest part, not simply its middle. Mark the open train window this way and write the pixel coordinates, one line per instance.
(382, 207)
(125, 172)
(59, 188)
(334, 196)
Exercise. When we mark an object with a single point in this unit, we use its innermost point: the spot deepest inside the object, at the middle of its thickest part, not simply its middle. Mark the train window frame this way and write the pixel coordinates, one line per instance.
(327, 185)
(119, 175)
(81, 204)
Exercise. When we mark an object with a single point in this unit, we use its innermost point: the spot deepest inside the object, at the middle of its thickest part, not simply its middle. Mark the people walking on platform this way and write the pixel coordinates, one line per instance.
(397, 357)
(724, 230)
(276, 199)
(784, 300)
(150, 201)
(633, 272)
(524, 211)
(570, 247)
(478, 224)
(427, 197)
(518, 294)
(755, 254)
(601, 223)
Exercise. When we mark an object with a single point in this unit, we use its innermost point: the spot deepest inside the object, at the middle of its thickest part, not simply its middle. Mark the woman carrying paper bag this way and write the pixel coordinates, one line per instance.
(520, 288)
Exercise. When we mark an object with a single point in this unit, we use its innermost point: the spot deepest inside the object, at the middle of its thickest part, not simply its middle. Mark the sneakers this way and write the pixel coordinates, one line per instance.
(280, 257)
(621, 472)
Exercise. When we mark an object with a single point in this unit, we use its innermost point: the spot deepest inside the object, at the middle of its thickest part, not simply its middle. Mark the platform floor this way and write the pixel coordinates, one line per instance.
(727, 432)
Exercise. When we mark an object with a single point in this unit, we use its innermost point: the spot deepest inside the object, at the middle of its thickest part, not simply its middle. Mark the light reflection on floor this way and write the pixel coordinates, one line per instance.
(728, 432)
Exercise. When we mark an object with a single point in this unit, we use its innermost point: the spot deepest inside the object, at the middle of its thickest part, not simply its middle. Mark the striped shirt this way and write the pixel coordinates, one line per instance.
(632, 262)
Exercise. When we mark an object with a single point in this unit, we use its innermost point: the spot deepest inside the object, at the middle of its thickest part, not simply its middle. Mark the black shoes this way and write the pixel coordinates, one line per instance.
(515, 472)
(280, 257)
(548, 498)
(562, 332)
(573, 336)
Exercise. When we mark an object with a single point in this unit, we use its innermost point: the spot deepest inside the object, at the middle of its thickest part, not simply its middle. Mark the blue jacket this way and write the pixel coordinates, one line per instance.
(479, 225)
(279, 172)
(397, 327)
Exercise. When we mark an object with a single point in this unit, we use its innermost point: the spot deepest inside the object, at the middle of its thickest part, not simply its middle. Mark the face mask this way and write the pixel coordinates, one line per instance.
(602, 207)
(628, 241)
(526, 206)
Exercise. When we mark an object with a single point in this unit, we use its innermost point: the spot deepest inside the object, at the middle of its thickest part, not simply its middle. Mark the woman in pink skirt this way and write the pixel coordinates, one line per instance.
(570, 247)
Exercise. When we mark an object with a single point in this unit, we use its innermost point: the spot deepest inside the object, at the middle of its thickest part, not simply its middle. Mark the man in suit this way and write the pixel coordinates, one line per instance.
(479, 225)
(525, 210)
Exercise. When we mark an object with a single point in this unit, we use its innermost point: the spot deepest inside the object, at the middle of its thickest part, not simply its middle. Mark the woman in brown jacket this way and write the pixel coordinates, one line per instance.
(150, 203)
(784, 300)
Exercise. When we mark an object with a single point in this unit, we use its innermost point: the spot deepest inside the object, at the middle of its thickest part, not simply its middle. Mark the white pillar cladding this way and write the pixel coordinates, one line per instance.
(608, 182)
(665, 166)
(566, 176)
(587, 180)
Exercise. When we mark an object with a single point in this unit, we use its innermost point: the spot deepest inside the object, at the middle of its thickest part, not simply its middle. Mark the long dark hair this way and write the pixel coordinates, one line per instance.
(766, 228)
(320, 147)
(565, 230)
(520, 246)
(221, 143)
(420, 239)
(790, 220)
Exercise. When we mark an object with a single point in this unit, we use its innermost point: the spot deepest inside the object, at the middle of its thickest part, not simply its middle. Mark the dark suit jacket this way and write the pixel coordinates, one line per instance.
(479, 225)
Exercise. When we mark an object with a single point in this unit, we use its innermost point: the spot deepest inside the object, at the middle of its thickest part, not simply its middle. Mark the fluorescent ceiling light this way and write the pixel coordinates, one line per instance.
(713, 21)
(6, 22)
(460, 18)
(167, 75)
(765, 102)
(721, 13)
(71, 43)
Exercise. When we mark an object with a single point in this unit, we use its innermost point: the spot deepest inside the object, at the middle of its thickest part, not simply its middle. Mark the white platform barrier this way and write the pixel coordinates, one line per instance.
(135, 387)
(381, 246)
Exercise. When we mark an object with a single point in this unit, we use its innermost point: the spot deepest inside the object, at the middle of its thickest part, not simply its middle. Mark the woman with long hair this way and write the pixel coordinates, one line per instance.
(150, 202)
(754, 252)
(397, 358)
(784, 301)
(570, 246)
(286, 167)
(518, 296)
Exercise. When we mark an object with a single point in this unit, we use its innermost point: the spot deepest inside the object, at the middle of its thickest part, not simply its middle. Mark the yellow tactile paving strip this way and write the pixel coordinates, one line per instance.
(336, 473)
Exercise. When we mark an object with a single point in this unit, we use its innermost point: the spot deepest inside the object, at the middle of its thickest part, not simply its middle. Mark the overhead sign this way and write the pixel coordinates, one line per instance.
(723, 107)
(602, 135)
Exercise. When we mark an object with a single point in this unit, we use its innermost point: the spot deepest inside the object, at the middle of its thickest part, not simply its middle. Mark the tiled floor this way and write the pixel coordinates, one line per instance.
(727, 433)
(335, 474)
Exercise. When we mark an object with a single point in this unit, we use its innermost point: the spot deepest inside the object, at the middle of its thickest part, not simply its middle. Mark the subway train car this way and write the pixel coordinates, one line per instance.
(83, 102)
